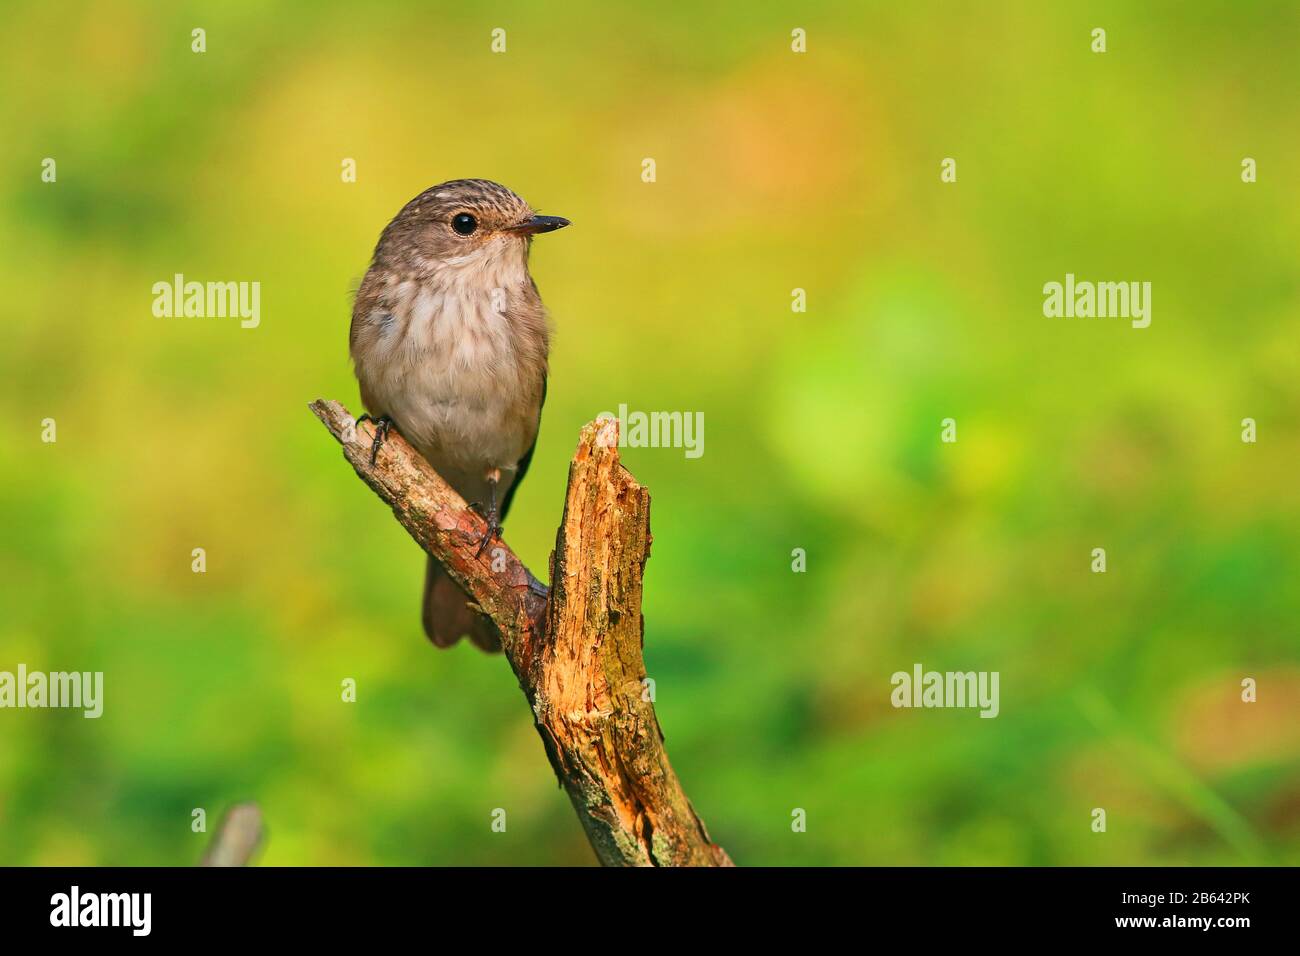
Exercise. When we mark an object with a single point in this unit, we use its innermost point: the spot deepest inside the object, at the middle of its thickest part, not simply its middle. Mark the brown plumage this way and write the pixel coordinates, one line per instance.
(449, 342)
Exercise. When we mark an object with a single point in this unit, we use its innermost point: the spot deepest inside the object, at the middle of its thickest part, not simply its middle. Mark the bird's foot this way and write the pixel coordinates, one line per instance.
(493, 530)
(493, 478)
(382, 426)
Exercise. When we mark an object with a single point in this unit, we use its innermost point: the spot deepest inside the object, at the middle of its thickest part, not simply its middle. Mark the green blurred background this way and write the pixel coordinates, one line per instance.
(776, 171)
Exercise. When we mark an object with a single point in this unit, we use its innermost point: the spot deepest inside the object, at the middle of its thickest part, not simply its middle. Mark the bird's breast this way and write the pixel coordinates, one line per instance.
(455, 369)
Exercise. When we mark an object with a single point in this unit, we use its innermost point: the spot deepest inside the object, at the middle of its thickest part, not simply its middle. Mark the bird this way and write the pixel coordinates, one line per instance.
(450, 344)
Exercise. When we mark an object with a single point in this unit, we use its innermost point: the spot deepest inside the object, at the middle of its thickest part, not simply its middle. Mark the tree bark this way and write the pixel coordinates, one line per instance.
(575, 647)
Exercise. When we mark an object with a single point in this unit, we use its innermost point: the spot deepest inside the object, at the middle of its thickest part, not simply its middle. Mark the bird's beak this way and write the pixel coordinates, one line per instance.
(530, 227)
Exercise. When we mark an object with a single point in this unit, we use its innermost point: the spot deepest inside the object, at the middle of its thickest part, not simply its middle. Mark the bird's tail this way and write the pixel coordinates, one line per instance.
(448, 616)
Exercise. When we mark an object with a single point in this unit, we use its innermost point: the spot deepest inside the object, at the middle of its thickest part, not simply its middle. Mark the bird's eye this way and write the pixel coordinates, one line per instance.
(464, 224)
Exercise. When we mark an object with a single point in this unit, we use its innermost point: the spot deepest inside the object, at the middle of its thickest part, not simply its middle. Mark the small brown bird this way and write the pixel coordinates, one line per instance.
(450, 342)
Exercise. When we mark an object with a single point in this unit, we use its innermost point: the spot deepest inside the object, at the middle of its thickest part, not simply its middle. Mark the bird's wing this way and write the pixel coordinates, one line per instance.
(363, 301)
(524, 462)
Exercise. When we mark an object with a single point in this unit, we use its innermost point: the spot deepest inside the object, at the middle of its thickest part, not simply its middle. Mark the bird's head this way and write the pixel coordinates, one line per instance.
(464, 221)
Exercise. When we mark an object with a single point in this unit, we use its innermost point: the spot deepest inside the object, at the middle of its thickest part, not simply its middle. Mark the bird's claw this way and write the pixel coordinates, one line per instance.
(489, 514)
(382, 426)
(493, 531)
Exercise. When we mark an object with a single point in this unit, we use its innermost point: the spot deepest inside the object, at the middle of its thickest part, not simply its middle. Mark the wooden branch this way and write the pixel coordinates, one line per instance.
(575, 648)
(237, 838)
